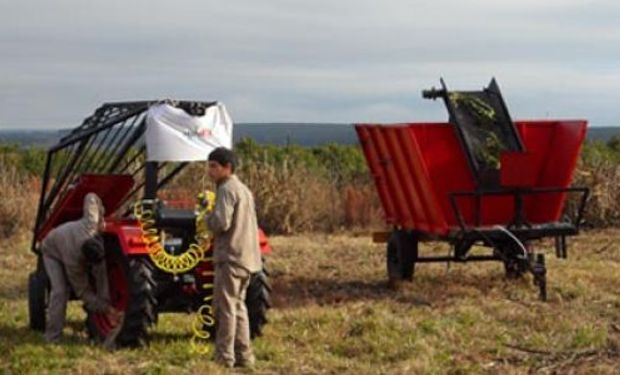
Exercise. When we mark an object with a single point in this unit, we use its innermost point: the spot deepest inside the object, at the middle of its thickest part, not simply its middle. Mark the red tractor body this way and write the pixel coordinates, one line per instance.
(106, 155)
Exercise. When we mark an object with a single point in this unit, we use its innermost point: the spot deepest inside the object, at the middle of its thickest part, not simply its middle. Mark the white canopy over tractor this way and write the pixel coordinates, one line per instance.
(174, 135)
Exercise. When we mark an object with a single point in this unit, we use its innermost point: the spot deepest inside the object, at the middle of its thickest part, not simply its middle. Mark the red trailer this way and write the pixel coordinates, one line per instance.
(479, 179)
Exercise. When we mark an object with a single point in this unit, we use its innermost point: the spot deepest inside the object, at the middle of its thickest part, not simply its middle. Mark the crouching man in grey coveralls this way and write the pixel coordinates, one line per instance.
(68, 251)
(236, 255)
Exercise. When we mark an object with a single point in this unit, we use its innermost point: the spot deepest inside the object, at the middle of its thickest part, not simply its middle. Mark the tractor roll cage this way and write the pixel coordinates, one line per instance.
(109, 142)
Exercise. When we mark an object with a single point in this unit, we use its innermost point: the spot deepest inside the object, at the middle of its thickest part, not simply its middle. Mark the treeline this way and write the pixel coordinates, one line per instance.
(27, 161)
(599, 169)
(321, 188)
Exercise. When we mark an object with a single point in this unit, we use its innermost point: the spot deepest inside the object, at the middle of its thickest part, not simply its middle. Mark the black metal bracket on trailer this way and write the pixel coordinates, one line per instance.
(509, 243)
(519, 221)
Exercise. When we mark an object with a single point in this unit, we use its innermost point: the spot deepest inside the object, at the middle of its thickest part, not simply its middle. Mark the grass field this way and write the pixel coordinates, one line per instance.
(333, 314)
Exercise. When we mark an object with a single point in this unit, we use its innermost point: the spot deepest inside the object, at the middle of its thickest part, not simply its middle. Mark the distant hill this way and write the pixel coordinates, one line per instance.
(27, 138)
(290, 133)
(603, 133)
(265, 133)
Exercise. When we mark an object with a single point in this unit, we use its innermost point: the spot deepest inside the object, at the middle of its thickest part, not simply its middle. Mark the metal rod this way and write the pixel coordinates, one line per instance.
(102, 146)
(44, 185)
(93, 153)
(494, 89)
(478, 201)
(471, 258)
(60, 182)
(73, 168)
(150, 187)
(75, 154)
(457, 211)
(473, 164)
(139, 153)
(117, 145)
(582, 206)
(481, 193)
(137, 170)
(172, 174)
(141, 185)
(130, 142)
(88, 133)
(129, 196)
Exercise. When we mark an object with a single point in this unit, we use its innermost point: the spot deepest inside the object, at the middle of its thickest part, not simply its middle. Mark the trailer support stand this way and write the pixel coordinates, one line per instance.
(540, 275)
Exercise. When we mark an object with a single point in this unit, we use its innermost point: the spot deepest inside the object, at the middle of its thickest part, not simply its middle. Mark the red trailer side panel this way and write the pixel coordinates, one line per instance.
(417, 166)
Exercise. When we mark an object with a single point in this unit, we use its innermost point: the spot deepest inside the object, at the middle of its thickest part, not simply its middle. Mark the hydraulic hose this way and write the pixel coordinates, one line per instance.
(514, 238)
(197, 252)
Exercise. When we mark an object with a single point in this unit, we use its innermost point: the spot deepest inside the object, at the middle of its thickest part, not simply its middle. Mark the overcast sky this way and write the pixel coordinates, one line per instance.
(308, 61)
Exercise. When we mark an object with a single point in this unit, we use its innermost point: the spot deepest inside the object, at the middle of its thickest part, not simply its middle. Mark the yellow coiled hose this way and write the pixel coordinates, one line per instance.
(186, 261)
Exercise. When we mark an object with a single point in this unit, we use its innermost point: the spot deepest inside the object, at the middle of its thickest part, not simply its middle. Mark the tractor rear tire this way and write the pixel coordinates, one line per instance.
(402, 252)
(258, 301)
(132, 290)
(38, 297)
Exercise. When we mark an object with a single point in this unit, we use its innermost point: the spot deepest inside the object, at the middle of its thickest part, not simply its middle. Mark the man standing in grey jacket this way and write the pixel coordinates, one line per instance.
(236, 255)
(68, 251)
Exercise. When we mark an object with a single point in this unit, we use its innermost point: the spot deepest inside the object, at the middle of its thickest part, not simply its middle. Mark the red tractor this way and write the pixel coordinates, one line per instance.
(109, 155)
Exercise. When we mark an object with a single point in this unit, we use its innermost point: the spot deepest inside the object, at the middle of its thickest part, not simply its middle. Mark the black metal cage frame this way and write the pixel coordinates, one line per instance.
(109, 142)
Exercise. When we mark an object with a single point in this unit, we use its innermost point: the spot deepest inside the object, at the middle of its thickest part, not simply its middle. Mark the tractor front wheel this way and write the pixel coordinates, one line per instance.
(38, 296)
(258, 301)
(132, 289)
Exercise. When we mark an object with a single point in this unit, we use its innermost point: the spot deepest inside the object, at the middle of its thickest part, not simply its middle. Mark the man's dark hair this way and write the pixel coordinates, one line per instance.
(224, 157)
(93, 250)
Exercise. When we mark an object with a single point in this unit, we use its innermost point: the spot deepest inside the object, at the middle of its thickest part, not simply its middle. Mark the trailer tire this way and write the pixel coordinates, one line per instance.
(402, 252)
(132, 290)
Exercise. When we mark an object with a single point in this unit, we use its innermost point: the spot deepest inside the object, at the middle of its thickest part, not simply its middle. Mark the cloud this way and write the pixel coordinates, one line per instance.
(325, 61)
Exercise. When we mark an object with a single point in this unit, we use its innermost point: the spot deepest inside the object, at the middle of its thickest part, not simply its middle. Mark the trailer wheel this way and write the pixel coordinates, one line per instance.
(258, 301)
(38, 297)
(131, 290)
(402, 252)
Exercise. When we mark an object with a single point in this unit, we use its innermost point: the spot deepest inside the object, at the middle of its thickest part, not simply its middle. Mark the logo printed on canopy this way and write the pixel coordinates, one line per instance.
(174, 135)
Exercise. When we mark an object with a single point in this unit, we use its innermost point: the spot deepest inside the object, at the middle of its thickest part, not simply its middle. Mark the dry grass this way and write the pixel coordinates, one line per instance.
(291, 198)
(18, 202)
(333, 314)
(602, 176)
